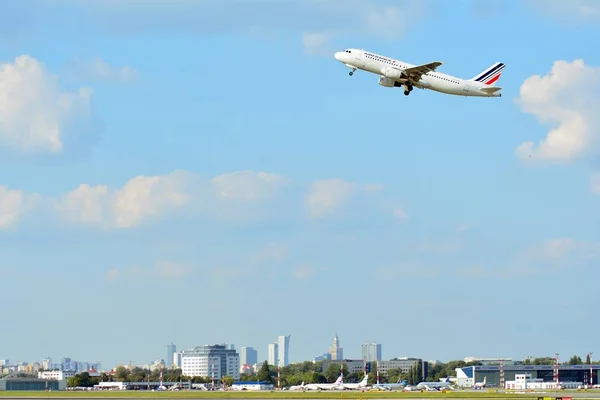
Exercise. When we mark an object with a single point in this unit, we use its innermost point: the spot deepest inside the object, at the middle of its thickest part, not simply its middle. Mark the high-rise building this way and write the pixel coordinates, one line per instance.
(273, 353)
(283, 343)
(337, 353)
(177, 359)
(171, 349)
(213, 361)
(248, 356)
(371, 352)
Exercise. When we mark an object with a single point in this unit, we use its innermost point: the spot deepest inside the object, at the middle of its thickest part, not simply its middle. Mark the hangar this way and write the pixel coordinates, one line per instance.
(31, 384)
(467, 376)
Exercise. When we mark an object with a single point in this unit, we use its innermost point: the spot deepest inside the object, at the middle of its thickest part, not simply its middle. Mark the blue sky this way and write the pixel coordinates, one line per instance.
(206, 171)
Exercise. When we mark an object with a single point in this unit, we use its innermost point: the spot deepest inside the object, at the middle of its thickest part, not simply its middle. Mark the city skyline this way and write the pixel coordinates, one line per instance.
(370, 351)
(161, 159)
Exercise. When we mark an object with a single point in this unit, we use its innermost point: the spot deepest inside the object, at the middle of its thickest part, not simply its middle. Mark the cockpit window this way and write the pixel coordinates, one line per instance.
(347, 51)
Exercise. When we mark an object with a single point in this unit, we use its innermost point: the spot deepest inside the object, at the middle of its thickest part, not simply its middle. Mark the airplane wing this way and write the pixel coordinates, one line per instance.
(415, 73)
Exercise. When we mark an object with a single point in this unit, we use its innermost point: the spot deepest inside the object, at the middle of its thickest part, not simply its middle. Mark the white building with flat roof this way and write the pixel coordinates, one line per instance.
(526, 382)
(211, 361)
(55, 375)
(490, 360)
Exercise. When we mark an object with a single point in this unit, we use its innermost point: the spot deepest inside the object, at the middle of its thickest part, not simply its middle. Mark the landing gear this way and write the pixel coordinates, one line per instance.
(409, 88)
(352, 72)
(406, 92)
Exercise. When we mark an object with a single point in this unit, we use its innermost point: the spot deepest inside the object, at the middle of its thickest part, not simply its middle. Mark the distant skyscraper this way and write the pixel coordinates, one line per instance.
(337, 353)
(273, 353)
(248, 356)
(177, 359)
(283, 343)
(171, 349)
(371, 352)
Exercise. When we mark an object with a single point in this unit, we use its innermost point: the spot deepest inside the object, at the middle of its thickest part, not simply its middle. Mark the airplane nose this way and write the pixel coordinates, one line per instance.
(338, 56)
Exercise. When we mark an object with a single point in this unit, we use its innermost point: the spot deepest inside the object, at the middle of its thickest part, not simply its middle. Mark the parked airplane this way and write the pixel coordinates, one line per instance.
(480, 385)
(395, 73)
(356, 386)
(390, 386)
(298, 387)
(445, 384)
(337, 385)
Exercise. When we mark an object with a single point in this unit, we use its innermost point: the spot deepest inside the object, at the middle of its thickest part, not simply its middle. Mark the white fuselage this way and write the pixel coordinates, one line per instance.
(437, 81)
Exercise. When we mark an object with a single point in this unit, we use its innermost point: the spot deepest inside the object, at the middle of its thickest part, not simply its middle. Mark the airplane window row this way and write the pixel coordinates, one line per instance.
(380, 59)
(445, 79)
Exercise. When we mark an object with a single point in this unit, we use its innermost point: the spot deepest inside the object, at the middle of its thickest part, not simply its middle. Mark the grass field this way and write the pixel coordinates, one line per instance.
(273, 395)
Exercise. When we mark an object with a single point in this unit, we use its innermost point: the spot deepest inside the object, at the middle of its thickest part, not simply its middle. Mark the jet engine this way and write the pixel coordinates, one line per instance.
(387, 82)
(392, 73)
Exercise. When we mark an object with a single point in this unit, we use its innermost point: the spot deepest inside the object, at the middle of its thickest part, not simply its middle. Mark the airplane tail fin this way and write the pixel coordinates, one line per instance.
(490, 74)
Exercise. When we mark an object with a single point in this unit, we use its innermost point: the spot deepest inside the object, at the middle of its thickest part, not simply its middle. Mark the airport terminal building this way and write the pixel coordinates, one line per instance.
(467, 376)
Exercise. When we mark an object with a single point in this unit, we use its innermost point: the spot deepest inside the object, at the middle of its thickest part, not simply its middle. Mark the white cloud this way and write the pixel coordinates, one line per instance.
(249, 185)
(595, 183)
(325, 196)
(140, 198)
(113, 274)
(162, 269)
(563, 251)
(36, 115)
(451, 245)
(566, 99)
(400, 214)
(272, 253)
(235, 197)
(13, 205)
(463, 228)
(304, 271)
(381, 19)
(227, 273)
(317, 44)
(168, 269)
(403, 271)
(99, 69)
(147, 197)
(373, 188)
(314, 22)
(576, 11)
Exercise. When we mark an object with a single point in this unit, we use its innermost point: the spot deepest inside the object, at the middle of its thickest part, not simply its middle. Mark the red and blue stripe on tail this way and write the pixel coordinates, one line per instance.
(491, 74)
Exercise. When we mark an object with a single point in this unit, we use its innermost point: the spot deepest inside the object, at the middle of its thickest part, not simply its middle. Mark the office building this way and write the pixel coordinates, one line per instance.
(213, 361)
(371, 352)
(283, 344)
(177, 359)
(248, 356)
(273, 353)
(171, 350)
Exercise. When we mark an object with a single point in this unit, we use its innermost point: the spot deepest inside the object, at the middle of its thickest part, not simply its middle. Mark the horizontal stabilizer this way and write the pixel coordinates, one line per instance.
(491, 89)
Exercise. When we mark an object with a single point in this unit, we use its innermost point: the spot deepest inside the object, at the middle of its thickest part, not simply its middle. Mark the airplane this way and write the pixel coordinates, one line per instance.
(337, 385)
(390, 386)
(395, 73)
(480, 385)
(355, 386)
(445, 384)
(298, 387)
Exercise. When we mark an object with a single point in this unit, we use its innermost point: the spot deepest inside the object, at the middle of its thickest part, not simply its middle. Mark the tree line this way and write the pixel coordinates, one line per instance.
(295, 374)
